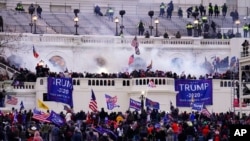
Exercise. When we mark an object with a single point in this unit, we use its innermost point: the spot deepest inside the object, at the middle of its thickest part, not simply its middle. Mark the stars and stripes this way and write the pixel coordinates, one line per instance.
(151, 84)
(36, 55)
(205, 112)
(11, 100)
(93, 103)
(131, 59)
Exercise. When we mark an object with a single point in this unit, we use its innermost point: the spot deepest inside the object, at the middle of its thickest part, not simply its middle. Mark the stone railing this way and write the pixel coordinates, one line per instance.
(161, 83)
(93, 40)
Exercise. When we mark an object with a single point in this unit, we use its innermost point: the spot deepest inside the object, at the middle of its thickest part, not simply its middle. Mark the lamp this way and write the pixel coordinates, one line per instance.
(122, 12)
(76, 19)
(142, 97)
(156, 27)
(151, 14)
(116, 26)
(34, 18)
(237, 22)
(196, 22)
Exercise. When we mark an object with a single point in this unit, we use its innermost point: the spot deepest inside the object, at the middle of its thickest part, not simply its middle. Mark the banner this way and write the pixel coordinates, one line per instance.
(60, 90)
(197, 106)
(134, 104)
(191, 91)
(56, 119)
(111, 102)
(152, 104)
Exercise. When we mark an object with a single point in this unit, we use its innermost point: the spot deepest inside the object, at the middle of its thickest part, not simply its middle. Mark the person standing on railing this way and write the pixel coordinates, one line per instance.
(39, 11)
(216, 11)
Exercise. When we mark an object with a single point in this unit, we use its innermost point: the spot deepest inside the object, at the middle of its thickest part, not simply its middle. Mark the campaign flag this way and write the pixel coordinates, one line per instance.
(111, 102)
(151, 84)
(42, 105)
(205, 111)
(135, 44)
(21, 106)
(131, 59)
(134, 104)
(60, 90)
(197, 106)
(55, 118)
(189, 91)
(11, 100)
(152, 104)
(111, 134)
(36, 55)
(93, 103)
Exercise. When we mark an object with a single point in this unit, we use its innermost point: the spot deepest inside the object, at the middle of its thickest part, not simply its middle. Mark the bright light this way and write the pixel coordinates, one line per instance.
(76, 19)
(156, 21)
(103, 70)
(34, 18)
(237, 22)
(116, 20)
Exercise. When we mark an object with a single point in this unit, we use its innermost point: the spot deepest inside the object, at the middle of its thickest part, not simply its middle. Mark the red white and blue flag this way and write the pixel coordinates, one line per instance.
(36, 55)
(131, 59)
(93, 103)
(151, 84)
(205, 111)
(111, 102)
(135, 44)
(11, 100)
(41, 116)
(152, 104)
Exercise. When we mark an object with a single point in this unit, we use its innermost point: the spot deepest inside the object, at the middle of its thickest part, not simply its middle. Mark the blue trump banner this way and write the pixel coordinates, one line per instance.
(56, 119)
(191, 91)
(197, 106)
(152, 104)
(60, 90)
(134, 104)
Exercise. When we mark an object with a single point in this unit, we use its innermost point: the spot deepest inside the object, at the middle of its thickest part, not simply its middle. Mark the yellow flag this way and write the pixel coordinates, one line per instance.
(42, 105)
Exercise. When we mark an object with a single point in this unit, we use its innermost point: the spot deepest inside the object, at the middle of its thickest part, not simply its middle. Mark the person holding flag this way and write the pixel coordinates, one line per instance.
(135, 44)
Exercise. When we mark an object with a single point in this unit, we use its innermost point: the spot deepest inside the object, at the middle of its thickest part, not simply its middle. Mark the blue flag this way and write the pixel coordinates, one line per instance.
(134, 104)
(56, 119)
(21, 106)
(111, 102)
(197, 106)
(152, 104)
(60, 90)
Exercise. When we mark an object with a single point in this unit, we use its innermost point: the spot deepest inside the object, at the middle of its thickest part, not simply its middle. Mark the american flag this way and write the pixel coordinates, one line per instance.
(43, 117)
(151, 84)
(11, 100)
(205, 112)
(134, 42)
(36, 55)
(131, 59)
(93, 103)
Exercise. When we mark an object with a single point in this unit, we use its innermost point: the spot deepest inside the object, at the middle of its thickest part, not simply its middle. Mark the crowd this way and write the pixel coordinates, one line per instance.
(148, 125)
